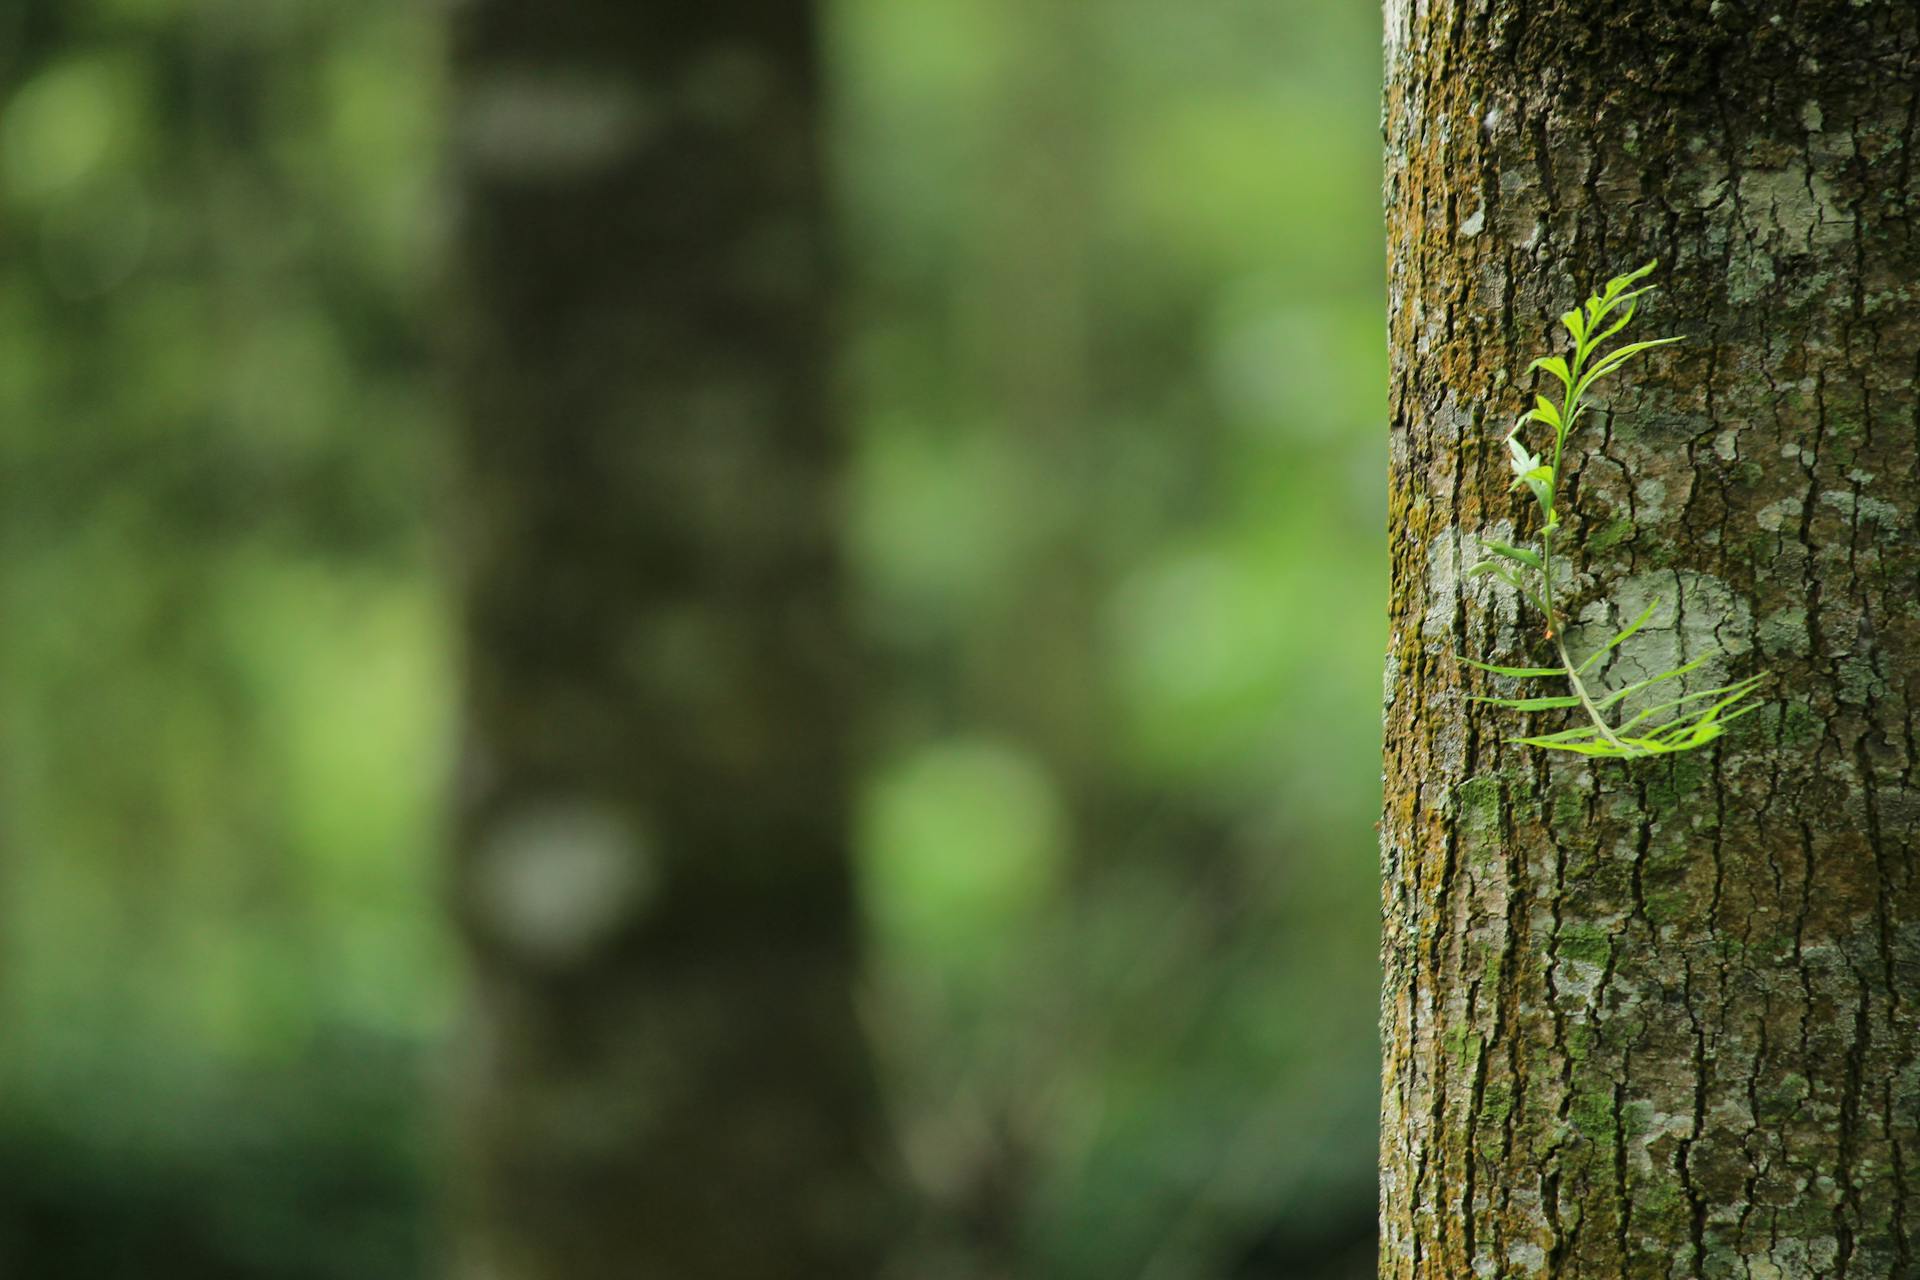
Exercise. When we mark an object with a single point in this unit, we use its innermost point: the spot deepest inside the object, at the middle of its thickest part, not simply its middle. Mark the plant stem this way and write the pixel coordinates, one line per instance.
(1554, 632)
(1569, 410)
(1586, 700)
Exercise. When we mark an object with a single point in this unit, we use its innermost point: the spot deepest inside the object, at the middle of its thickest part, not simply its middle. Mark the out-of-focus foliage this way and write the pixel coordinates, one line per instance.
(1114, 381)
(1118, 366)
(223, 658)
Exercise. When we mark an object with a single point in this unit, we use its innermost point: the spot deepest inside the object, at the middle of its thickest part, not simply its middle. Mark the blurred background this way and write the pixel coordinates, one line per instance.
(1112, 364)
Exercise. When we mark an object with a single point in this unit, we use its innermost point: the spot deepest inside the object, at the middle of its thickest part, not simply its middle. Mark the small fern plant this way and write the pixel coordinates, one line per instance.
(1680, 724)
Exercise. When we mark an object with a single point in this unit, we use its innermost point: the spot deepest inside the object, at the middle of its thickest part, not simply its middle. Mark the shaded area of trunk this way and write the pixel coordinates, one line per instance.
(1658, 1020)
(665, 1076)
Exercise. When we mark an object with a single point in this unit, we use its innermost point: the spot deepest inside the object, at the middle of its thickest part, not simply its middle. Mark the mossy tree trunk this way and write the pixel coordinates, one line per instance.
(1658, 1019)
(665, 1077)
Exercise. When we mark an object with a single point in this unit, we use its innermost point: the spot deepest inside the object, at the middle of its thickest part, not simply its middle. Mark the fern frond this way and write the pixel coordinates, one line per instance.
(1686, 724)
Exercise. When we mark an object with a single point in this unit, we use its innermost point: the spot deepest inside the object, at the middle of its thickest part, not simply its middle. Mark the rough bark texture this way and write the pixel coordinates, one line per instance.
(665, 1076)
(1658, 1019)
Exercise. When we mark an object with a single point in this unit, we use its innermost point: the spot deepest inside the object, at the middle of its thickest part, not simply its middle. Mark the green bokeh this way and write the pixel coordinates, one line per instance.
(1113, 370)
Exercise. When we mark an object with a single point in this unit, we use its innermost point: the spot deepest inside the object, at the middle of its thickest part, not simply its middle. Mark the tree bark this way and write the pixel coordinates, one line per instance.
(1657, 1019)
(665, 1077)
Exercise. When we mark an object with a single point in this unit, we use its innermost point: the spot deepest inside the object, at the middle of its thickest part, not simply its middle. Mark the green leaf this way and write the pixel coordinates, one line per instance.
(1579, 733)
(1619, 283)
(1540, 480)
(1545, 410)
(1531, 704)
(1710, 715)
(1520, 673)
(1576, 324)
(1493, 568)
(1747, 710)
(1523, 461)
(1686, 733)
(1652, 747)
(1555, 365)
(1625, 319)
(1620, 694)
(1521, 554)
(1739, 689)
(1614, 643)
(1615, 358)
(1581, 748)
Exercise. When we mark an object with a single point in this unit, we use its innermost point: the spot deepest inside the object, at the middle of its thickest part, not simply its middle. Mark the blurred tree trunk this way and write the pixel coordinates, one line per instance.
(665, 1077)
(1659, 1020)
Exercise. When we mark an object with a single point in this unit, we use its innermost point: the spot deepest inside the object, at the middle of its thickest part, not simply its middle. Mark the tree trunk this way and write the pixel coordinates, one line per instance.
(665, 1077)
(1658, 1019)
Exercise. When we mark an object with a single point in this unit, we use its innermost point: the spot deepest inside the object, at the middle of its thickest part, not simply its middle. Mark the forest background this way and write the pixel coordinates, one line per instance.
(1112, 365)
